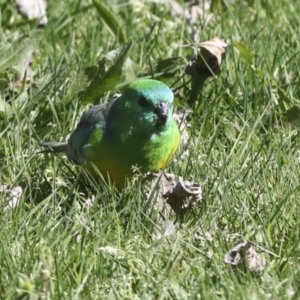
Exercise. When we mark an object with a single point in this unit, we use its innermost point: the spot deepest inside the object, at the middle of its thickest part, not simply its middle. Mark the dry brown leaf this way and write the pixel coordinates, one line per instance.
(182, 194)
(209, 58)
(244, 256)
(33, 9)
(177, 192)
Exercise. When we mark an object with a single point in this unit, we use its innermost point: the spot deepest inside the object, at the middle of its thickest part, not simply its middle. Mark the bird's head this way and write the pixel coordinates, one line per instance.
(147, 103)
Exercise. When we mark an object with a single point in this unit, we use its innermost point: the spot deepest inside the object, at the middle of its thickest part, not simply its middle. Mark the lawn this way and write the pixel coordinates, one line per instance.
(65, 236)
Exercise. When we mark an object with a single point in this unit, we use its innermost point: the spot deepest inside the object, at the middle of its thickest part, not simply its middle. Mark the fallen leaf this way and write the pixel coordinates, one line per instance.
(208, 60)
(182, 193)
(244, 256)
(33, 9)
(176, 192)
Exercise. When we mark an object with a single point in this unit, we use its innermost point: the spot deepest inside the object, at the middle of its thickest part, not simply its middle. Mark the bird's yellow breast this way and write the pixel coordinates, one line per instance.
(115, 162)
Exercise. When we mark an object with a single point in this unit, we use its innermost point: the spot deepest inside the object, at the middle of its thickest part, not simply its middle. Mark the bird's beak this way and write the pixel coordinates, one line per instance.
(162, 111)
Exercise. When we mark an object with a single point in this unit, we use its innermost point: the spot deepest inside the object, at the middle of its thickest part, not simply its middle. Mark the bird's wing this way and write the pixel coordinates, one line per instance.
(88, 132)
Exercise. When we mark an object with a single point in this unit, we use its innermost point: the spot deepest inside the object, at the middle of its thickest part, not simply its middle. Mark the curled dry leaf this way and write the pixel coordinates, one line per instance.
(182, 193)
(208, 60)
(179, 193)
(33, 9)
(13, 196)
(243, 256)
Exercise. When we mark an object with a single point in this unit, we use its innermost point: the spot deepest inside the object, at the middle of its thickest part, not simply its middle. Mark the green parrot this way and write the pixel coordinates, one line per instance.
(135, 129)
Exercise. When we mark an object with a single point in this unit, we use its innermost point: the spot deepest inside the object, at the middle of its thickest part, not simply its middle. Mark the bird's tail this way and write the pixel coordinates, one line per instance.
(55, 146)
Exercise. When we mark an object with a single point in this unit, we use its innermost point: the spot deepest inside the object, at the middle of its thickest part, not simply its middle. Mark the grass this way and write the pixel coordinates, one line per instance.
(243, 133)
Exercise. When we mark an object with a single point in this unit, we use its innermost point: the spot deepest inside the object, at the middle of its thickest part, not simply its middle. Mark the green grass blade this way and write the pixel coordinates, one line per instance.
(111, 20)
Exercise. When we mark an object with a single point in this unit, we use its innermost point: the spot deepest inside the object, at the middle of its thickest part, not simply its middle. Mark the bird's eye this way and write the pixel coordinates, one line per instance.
(143, 101)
